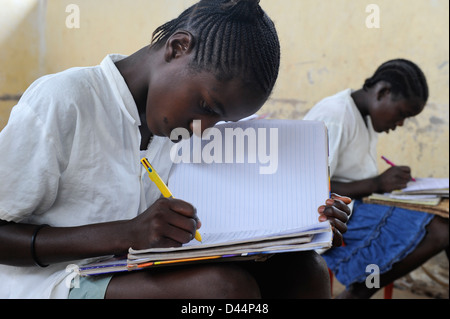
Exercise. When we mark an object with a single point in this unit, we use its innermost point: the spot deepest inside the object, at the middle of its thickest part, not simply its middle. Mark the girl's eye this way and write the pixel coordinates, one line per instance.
(400, 114)
(206, 109)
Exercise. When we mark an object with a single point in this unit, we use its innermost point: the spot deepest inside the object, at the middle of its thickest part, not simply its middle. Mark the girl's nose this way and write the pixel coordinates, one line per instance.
(199, 126)
(400, 123)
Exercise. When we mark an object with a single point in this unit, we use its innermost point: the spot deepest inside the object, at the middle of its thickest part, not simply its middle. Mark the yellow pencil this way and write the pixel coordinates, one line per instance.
(162, 186)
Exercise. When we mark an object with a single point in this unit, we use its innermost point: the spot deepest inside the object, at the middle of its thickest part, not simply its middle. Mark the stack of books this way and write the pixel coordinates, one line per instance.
(425, 194)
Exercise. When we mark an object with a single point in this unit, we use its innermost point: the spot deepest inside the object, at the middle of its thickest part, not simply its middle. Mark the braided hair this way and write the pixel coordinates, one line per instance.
(406, 78)
(233, 38)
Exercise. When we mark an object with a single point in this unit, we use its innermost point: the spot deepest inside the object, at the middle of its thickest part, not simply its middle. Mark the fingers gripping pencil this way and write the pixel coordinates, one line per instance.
(162, 187)
(392, 164)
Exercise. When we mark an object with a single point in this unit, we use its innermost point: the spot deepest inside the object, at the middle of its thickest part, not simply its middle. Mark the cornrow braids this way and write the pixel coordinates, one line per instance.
(233, 38)
(405, 77)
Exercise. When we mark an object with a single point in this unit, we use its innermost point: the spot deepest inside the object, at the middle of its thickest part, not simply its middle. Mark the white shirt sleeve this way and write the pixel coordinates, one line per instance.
(30, 169)
(352, 141)
(326, 112)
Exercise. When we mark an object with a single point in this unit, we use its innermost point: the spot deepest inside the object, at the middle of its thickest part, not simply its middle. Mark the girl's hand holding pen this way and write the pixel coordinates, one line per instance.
(404, 168)
(337, 212)
(162, 187)
(169, 222)
(395, 177)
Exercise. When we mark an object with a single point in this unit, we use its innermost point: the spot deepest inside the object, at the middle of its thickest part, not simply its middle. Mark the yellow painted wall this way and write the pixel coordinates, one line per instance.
(326, 47)
(21, 50)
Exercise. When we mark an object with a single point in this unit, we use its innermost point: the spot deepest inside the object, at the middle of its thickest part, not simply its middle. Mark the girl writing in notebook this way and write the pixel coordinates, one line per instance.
(394, 239)
(72, 186)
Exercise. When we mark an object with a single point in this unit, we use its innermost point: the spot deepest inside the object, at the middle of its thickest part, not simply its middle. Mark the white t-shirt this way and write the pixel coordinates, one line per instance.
(70, 155)
(352, 140)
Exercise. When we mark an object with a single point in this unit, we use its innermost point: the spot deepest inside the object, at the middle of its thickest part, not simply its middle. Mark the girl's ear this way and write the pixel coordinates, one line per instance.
(179, 44)
(383, 89)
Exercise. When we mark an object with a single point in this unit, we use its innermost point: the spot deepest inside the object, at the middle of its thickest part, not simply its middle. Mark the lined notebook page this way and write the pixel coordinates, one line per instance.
(239, 198)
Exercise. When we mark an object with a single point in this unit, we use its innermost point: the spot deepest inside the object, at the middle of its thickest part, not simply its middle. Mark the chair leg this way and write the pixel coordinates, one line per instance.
(331, 280)
(388, 291)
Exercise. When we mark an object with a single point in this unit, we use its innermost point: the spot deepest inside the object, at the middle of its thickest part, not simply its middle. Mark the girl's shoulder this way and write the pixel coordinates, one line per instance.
(335, 107)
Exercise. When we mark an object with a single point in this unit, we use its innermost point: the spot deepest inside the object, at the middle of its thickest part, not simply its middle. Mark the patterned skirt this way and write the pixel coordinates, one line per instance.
(379, 235)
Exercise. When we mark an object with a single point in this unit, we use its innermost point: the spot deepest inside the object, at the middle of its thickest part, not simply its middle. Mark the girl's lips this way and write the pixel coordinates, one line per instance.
(390, 129)
(179, 133)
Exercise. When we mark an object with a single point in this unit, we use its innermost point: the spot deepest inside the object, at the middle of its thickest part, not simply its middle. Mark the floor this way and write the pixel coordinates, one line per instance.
(397, 293)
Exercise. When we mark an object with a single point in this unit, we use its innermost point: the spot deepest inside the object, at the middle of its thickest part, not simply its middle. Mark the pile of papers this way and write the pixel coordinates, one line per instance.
(255, 247)
(423, 191)
(425, 194)
(438, 187)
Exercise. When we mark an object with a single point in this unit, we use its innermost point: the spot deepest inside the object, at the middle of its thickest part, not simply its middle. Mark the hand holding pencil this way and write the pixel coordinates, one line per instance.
(394, 178)
(393, 165)
(162, 187)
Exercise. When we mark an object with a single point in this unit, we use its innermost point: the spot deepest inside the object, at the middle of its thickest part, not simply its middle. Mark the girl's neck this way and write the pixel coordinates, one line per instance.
(361, 101)
(360, 98)
(136, 70)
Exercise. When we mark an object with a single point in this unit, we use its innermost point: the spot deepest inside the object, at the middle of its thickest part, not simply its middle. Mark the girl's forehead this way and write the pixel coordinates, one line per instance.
(233, 86)
(233, 97)
(408, 107)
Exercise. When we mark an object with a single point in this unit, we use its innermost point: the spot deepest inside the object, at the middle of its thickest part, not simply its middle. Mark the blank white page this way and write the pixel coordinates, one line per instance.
(236, 197)
(427, 184)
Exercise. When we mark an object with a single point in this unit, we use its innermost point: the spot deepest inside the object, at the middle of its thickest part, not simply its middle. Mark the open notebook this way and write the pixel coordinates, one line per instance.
(256, 186)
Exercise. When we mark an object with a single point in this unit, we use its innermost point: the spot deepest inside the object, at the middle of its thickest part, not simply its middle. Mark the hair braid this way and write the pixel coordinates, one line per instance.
(234, 38)
(405, 77)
